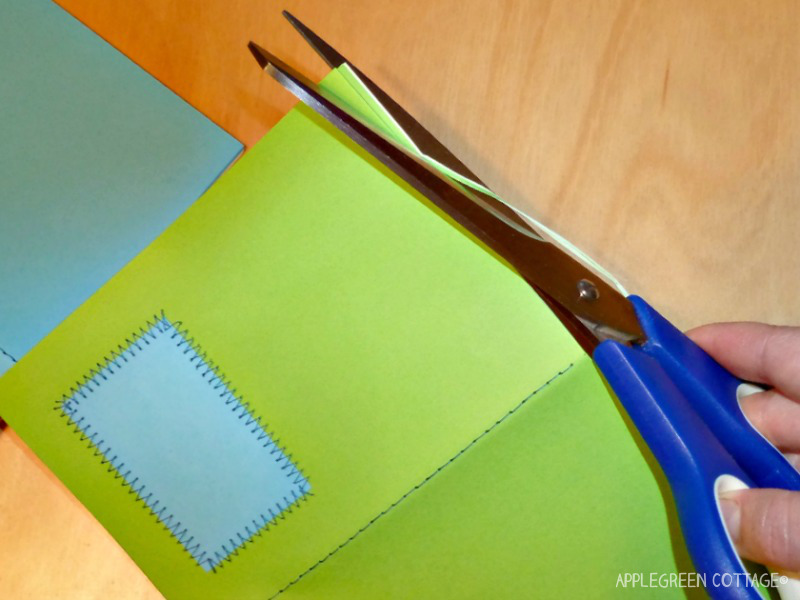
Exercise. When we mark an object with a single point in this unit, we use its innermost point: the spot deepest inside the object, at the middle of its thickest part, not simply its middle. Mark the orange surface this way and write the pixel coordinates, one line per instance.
(663, 137)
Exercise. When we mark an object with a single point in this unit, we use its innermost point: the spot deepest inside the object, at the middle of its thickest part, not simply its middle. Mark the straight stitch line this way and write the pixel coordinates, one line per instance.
(438, 470)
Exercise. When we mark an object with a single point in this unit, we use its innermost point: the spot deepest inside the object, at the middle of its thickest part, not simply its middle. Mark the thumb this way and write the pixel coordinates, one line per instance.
(765, 526)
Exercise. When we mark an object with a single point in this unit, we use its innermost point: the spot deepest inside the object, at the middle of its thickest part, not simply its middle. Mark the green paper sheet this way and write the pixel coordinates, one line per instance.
(346, 86)
(457, 441)
(512, 519)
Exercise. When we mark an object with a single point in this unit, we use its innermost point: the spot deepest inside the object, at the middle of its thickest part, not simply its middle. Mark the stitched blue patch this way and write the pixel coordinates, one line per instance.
(6, 361)
(162, 415)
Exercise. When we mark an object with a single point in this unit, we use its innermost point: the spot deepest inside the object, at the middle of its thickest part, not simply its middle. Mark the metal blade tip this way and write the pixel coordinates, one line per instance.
(320, 46)
(263, 58)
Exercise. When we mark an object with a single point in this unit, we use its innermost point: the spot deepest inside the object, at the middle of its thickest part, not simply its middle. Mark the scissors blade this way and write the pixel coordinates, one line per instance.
(595, 303)
(422, 138)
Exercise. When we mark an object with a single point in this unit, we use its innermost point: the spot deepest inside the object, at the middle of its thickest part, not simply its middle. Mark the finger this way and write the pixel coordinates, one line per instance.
(776, 417)
(755, 351)
(765, 526)
(794, 459)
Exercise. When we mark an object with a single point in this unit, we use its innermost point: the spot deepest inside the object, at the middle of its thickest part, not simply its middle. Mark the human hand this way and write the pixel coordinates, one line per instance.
(764, 523)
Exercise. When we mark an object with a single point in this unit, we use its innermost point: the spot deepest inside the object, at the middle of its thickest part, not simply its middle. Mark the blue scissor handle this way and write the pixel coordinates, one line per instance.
(712, 393)
(685, 406)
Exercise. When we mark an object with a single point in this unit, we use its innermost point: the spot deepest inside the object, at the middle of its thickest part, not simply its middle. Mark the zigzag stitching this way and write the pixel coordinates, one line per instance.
(420, 484)
(7, 355)
(121, 355)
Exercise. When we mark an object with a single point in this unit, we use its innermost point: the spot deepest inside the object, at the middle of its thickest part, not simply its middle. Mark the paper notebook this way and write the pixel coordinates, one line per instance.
(96, 159)
(315, 385)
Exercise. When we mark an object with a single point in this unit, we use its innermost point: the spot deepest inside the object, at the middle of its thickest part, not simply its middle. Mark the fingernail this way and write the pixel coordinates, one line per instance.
(794, 459)
(731, 513)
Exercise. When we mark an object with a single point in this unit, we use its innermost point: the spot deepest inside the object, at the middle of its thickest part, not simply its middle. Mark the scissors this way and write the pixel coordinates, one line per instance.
(685, 405)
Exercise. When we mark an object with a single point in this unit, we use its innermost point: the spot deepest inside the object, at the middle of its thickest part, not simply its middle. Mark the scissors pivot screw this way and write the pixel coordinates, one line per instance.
(587, 291)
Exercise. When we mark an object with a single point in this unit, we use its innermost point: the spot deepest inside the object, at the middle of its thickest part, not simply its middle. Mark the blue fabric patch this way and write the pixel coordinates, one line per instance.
(170, 425)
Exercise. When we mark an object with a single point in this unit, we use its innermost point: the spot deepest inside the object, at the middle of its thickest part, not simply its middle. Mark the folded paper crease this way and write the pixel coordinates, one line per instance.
(426, 480)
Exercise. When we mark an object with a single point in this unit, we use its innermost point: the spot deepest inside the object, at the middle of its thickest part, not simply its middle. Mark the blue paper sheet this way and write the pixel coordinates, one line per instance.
(96, 159)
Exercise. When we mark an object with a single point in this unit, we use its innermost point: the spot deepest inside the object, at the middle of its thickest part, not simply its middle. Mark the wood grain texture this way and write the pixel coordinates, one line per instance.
(664, 138)
(52, 547)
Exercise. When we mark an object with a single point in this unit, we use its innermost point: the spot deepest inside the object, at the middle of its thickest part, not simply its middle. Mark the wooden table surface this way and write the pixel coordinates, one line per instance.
(664, 138)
